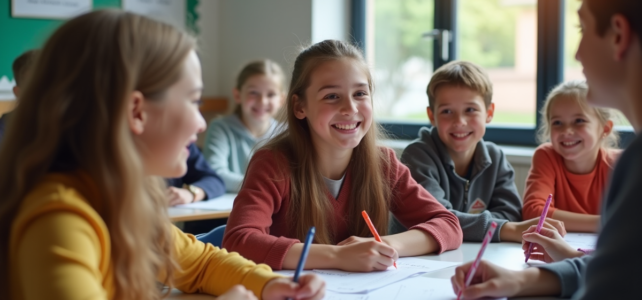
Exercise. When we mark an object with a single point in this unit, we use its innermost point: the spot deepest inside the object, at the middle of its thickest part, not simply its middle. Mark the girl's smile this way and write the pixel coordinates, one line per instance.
(346, 128)
(575, 134)
(337, 106)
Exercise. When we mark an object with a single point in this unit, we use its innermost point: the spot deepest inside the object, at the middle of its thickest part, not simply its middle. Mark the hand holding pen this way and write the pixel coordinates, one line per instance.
(308, 286)
(373, 230)
(475, 265)
(539, 224)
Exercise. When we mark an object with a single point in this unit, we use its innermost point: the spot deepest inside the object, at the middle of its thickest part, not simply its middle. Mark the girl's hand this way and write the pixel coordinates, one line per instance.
(365, 255)
(548, 245)
(489, 281)
(179, 196)
(354, 240)
(237, 292)
(310, 287)
(512, 231)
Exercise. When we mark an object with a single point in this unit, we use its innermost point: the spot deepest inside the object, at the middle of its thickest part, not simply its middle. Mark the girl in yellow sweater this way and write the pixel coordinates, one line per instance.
(109, 108)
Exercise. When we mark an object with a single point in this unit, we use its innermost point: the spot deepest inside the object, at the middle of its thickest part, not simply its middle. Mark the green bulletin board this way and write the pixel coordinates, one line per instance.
(20, 34)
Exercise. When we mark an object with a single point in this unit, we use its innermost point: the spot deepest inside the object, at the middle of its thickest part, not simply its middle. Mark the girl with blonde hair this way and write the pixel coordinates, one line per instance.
(230, 140)
(575, 160)
(109, 108)
(324, 170)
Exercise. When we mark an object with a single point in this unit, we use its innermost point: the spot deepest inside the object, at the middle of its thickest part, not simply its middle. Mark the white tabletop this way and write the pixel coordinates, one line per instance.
(507, 255)
(217, 208)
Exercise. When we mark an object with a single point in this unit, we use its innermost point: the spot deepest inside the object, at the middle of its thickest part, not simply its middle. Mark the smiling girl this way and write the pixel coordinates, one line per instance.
(259, 93)
(109, 109)
(325, 170)
(575, 161)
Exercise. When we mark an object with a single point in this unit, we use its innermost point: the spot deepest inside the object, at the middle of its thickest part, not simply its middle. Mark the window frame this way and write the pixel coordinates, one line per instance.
(550, 68)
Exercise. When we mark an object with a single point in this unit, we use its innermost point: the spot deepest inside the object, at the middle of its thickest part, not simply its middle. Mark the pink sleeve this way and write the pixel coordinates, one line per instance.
(416, 208)
(539, 184)
(261, 196)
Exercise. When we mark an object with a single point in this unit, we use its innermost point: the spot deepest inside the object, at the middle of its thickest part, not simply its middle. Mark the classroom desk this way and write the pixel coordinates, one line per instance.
(190, 214)
(507, 255)
(217, 208)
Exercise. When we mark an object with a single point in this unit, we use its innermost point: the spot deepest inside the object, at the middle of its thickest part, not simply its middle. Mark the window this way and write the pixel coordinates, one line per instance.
(401, 58)
(526, 46)
(572, 67)
(501, 37)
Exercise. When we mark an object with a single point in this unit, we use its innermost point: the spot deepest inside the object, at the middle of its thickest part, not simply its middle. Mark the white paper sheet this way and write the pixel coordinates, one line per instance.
(416, 288)
(581, 240)
(329, 295)
(353, 282)
(426, 265)
(223, 202)
(357, 282)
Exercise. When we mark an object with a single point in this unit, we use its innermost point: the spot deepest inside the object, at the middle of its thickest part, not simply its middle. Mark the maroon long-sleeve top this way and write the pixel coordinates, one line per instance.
(259, 229)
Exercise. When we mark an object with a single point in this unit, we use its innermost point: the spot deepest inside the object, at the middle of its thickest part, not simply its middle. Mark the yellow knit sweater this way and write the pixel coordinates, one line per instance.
(60, 249)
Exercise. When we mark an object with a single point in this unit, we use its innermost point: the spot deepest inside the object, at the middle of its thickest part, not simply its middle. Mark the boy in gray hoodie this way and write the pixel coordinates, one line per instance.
(469, 176)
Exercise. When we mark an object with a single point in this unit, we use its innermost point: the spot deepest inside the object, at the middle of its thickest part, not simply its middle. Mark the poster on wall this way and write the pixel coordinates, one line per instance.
(5, 89)
(49, 9)
(168, 11)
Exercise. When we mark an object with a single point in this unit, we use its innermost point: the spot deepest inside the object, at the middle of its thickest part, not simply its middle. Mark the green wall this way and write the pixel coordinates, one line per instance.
(20, 34)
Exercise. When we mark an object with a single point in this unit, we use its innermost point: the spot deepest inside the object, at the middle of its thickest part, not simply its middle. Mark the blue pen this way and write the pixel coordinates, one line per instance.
(304, 254)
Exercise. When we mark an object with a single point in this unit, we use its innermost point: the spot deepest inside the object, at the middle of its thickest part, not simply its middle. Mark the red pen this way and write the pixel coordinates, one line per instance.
(373, 230)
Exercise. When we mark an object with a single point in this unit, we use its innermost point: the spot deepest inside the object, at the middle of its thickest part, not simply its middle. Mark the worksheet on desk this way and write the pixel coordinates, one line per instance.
(223, 202)
(426, 265)
(416, 288)
(363, 282)
(581, 240)
(359, 282)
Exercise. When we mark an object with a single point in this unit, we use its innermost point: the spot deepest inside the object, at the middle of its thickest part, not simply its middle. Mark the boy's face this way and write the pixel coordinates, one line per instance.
(460, 116)
(595, 53)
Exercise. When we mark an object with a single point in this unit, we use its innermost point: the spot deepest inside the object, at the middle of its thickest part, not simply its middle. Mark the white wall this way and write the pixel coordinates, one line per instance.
(234, 32)
(330, 20)
(209, 43)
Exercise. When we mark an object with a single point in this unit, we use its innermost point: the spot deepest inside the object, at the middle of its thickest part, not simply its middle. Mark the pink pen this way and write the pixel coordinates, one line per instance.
(540, 223)
(473, 268)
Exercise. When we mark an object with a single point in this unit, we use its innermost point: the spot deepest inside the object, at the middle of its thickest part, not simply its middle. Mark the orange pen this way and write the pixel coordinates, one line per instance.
(373, 230)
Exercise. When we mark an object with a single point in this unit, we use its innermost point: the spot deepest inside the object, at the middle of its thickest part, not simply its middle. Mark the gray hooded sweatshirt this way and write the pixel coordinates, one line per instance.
(488, 195)
(229, 145)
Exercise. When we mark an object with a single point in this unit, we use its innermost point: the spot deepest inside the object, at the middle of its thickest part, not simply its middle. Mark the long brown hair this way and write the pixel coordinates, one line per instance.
(309, 204)
(72, 116)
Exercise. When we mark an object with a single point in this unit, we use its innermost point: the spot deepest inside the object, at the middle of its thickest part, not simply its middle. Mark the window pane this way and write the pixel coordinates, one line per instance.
(572, 35)
(401, 58)
(501, 36)
(572, 67)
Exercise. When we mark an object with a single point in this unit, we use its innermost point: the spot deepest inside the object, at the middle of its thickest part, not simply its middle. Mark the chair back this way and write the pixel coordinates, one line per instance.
(214, 237)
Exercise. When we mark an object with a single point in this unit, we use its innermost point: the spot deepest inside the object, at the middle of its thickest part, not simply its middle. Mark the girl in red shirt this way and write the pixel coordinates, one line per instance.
(324, 170)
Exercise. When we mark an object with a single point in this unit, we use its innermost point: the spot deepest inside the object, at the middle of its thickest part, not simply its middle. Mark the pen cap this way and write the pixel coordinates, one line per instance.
(311, 233)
